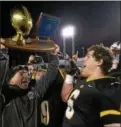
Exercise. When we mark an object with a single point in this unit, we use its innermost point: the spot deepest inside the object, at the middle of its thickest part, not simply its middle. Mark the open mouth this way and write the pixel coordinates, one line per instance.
(25, 82)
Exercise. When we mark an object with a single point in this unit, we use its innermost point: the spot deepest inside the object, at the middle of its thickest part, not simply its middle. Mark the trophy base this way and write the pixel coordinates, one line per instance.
(19, 40)
(32, 45)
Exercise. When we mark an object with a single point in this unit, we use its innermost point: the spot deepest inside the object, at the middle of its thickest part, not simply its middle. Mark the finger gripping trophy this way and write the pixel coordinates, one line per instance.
(22, 22)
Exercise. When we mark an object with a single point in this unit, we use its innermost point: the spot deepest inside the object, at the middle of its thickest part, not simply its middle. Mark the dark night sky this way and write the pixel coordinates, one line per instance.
(95, 22)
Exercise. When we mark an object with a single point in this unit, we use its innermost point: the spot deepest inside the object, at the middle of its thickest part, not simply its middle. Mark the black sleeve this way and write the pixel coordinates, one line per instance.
(43, 84)
(2, 101)
(1, 107)
(4, 65)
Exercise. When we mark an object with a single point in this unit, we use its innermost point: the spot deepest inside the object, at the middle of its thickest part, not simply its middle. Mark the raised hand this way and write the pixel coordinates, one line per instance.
(56, 50)
(2, 41)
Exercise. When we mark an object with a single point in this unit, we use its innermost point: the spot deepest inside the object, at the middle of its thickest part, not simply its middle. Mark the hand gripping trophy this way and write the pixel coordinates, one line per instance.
(22, 22)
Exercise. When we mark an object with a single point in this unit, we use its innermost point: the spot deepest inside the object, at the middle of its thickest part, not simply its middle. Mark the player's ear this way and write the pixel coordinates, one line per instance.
(100, 62)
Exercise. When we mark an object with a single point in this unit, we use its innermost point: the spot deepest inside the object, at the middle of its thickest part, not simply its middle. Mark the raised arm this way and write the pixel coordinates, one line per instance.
(44, 83)
(4, 61)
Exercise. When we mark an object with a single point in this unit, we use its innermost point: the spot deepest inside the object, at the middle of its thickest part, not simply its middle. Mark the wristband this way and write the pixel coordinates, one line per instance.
(68, 79)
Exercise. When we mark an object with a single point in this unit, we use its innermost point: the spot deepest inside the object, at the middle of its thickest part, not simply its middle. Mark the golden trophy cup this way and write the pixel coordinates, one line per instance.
(22, 22)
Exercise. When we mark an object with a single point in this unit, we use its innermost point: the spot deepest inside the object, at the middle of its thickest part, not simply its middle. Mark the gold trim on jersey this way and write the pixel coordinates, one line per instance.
(62, 73)
(109, 112)
(87, 80)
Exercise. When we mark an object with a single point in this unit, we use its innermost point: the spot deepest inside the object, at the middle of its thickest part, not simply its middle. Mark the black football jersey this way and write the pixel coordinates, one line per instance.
(94, 103)
(52, 107)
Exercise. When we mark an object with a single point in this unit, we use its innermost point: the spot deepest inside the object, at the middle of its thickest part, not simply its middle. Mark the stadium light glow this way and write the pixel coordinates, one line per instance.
(68, 31)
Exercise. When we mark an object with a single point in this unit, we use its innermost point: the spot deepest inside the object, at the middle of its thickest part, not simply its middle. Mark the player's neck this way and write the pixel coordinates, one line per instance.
(95, 76)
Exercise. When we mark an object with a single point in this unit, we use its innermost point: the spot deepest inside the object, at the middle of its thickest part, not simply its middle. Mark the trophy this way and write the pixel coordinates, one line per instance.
(42, 35)
(22, 22)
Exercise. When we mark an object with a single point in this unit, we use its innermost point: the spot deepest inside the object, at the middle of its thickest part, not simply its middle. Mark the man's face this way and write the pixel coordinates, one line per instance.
(21, 79)
(90, 65)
